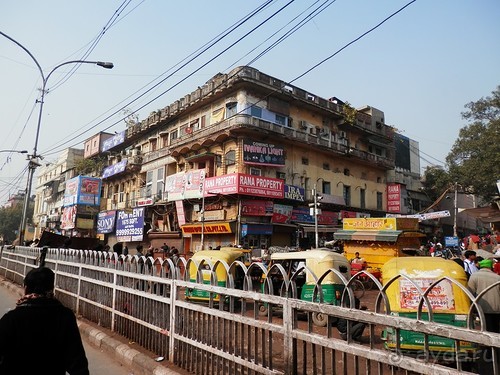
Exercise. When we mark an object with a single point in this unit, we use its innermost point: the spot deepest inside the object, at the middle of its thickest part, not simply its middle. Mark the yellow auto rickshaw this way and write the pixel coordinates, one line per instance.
(450, 305)
(209, 258)
(318, 262)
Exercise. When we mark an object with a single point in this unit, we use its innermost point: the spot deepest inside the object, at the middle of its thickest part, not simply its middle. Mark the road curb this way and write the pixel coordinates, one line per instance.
(139, 362)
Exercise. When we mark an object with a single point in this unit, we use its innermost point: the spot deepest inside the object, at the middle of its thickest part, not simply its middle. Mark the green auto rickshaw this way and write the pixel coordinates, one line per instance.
(318, 262)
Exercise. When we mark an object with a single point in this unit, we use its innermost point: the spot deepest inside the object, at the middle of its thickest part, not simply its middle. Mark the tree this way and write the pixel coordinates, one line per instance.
(435, 181)
(10, 221)
(474, 160)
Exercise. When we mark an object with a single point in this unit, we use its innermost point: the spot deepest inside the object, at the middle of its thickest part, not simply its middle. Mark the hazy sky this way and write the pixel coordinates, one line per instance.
(420, 67)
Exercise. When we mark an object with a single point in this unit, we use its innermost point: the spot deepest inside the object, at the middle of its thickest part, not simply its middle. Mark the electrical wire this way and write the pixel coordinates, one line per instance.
(175, 71)
(93, 44)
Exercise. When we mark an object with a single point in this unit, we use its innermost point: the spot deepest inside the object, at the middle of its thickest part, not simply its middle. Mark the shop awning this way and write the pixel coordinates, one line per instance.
(368, 235)
(489, 214)
(321, 229)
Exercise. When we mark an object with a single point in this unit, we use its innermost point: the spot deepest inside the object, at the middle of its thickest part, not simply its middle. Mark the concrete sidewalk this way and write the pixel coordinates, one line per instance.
(139, 362)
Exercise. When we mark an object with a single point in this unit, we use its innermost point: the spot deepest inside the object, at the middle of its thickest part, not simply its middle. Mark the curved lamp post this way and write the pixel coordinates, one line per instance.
(33, 163)
(16, 151)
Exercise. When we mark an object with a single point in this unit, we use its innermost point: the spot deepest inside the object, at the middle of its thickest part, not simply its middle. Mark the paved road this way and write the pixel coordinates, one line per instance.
(100, 362)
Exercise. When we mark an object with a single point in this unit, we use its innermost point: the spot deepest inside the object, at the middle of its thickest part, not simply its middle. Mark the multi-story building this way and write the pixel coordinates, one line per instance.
(49, 190)
(236, 162)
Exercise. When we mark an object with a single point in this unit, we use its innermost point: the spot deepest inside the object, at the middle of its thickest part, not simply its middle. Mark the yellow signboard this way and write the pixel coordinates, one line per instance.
(209, 228)
(380, 223)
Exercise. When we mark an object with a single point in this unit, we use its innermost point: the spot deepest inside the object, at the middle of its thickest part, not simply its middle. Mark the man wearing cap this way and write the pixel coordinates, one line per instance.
(490, 301)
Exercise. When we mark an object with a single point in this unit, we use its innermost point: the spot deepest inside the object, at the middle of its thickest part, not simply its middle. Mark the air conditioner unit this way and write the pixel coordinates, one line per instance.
(136, 152)
(342, 134)
(324, 132)
(304, 125)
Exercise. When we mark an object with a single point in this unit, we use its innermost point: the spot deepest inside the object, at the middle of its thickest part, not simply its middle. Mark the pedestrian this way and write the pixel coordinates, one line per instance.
(140, 250)
(125, 250)
(118, 248)
(41, 336)
(357, 328)
(469, 266)
(490, 301)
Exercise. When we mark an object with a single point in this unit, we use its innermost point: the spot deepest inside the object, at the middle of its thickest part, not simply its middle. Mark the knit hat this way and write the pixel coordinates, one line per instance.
(486, 263)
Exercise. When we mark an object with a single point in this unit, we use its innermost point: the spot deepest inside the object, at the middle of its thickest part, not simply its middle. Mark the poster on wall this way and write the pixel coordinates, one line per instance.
(130, 225)
(68, 218)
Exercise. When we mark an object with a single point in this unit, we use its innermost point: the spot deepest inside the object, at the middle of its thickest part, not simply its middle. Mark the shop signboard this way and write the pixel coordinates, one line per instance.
(113, 141)
(263, 153)
(82, 190)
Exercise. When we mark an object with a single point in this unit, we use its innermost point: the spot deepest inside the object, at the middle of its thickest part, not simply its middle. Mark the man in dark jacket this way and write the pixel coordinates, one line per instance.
(41, 336)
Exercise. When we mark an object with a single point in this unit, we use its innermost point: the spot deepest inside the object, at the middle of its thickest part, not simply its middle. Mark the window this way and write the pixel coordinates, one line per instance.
(174, 135)
(149, 185)
(305, 161)
(327, 188)
(255, 172)
(230, 158)
(326, 166)
(379, 201)
(231, 109)
(256, 111)
(281, 175)
(347, 195)
(280, 120)
(362, 198)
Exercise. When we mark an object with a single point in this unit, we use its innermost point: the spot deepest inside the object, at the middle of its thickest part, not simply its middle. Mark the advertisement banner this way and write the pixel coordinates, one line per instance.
(262, 153)
(209, 228)
(90, 191)
(441, 297)
(82, 190)
(181, 215)
(194, 181)
(281, 214)
(115, 140)
(226, 184)
(130, 225)
(393, 198)
(68, 218)
(256, 208)
(115, 169)
(106, 222)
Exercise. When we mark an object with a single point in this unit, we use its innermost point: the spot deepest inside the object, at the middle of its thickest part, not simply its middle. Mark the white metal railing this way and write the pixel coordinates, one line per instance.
(258, 328)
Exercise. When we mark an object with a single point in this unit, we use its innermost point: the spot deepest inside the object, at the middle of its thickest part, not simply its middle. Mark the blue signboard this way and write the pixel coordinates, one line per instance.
(295, 193)
(82, 190)
(114, 169)
(113, 141)
(302, 215)
(451, 241)
(256, 229)
(130, 225)
(106, 222)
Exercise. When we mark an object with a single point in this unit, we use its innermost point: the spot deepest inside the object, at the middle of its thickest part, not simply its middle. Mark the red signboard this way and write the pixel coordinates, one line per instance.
(256, 208)
(393, 198)
(239, 183)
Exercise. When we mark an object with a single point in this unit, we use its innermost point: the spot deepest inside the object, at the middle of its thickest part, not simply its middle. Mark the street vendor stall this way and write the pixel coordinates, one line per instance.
(378, 240)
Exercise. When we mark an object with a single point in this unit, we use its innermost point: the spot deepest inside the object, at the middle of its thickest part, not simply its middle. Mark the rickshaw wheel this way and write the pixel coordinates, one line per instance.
(358, 288)
(263, 310)
(320, 319)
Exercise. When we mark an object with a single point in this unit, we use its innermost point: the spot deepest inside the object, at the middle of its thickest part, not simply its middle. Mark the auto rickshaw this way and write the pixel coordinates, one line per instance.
(211, 257)
(450, 305)
(319, 262)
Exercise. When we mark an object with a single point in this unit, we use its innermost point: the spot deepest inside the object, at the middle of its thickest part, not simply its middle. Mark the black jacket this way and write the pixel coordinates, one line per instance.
(41, 336)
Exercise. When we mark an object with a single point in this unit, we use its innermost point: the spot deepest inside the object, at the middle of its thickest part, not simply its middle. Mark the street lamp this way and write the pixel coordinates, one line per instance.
(33, 163)
(16, 151)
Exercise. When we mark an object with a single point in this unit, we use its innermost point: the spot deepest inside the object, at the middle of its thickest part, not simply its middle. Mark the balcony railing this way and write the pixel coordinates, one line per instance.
(246, 121)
